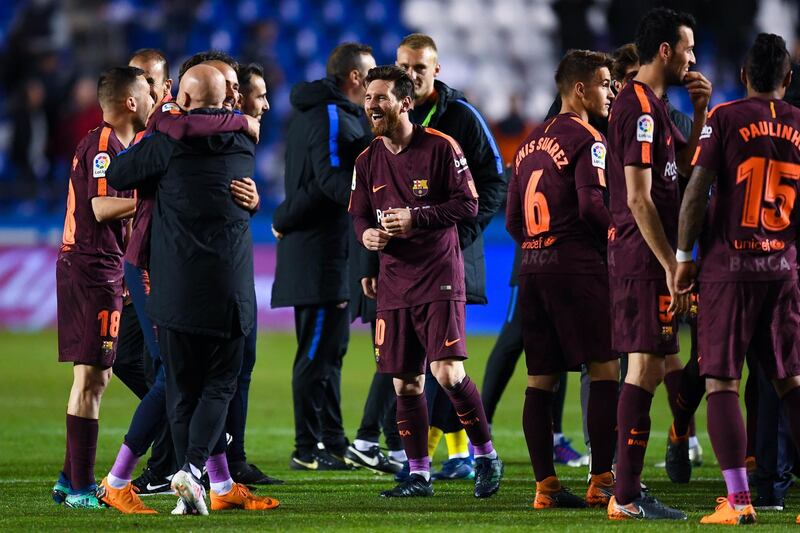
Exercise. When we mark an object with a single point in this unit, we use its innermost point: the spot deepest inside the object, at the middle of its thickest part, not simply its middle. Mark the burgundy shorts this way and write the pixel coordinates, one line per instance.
(89, 308)
(641, 321)
(760, 317)
(566, 321)
(406, 340)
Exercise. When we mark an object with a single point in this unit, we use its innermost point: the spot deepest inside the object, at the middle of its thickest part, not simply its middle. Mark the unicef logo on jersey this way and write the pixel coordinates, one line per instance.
(645, 128)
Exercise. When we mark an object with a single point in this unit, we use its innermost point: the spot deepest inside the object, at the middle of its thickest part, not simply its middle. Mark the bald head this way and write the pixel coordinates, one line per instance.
(201, 86)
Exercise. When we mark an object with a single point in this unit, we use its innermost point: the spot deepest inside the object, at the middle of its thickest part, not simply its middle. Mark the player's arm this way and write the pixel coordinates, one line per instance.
(699, 92)
(332, 174)
(639, 181)
(590, 184)
(180, 125)
(108, 208)
(142, 164)
(514, 216)
(488, 173)
(245, 194)
(690, 223)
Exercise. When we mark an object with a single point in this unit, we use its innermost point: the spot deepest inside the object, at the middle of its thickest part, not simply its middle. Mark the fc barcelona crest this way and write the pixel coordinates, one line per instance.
(419, 187)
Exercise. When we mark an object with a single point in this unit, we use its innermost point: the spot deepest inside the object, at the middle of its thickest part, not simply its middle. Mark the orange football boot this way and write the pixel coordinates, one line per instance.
(240, 497)
(601, 489)
(550, 495)
(725, 514)
(124, 500)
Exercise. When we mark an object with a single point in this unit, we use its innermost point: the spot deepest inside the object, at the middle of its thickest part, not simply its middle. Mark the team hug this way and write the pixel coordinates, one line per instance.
(630, 218)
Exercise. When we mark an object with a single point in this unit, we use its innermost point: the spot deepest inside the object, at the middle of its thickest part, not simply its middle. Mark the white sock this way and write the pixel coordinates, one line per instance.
(490, 455)
(364, 445)
(116, 482)
(557, 438)
(223, 487)
(398, 455)
(424, 473)
(461, 455)
(693, 442)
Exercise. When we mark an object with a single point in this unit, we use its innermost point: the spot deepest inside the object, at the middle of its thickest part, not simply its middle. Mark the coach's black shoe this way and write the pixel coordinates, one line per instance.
(644, 507)
(414, 486)
(677, 463)
(317, 460)
(373, 459)
(149, 483)
(488, 473)
(766, 503)
(250, 474)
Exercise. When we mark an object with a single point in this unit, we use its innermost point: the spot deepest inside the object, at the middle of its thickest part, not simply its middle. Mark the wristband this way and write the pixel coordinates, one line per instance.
(682, 256)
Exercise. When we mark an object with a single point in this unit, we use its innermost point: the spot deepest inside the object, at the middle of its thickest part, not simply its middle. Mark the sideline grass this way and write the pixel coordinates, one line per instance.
(33, 393)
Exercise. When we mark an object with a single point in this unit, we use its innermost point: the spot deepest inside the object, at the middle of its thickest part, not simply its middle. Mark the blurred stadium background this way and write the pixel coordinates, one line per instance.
(502, 53)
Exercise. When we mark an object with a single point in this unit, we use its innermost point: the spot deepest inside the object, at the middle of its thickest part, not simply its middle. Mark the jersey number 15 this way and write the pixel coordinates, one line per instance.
(771, 205)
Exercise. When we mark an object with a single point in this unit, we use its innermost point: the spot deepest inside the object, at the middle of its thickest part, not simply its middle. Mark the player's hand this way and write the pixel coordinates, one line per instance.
(699, 90)
(370, 287)
(375, 239)
(278, 235)
(397, 221)
(253, 127)
(245, 193)
(680, 282)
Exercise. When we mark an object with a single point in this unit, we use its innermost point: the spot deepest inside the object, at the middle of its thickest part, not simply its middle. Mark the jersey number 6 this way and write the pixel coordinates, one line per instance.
(537, 214)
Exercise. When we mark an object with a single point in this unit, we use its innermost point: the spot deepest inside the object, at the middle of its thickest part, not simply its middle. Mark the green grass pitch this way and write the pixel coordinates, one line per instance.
(33, 394)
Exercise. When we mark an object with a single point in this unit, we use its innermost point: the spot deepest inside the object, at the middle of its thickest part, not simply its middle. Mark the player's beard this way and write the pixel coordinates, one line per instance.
(391, 118)
(674, 72)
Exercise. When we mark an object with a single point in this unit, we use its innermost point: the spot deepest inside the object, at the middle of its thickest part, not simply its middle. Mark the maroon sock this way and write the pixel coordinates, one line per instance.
(82, 436)
(537, 424)
(677, 404)
(601, 420)
(467, 401)
(690, 396)
(791, 406)
(633, 422)
(412, 424)
(751, 404)
(67, 468)
(726, 429)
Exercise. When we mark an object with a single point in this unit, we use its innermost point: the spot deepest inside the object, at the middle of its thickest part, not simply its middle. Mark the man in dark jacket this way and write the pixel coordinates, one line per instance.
(201, 272)
(324, 137)
(446, 109)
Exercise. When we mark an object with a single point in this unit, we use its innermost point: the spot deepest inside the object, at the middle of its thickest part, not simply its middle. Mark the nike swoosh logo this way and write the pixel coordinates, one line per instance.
(313, 465)
(371, 461)
(639, 432)
(450, 343)
(379, 187)
(464, 414)
(150, 486)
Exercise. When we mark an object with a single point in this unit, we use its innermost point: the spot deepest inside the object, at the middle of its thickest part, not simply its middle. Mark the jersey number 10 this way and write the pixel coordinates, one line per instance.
(537, 213)
(779, 197)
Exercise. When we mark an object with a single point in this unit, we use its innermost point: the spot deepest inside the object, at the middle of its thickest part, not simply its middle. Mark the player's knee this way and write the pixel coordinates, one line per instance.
(544, 382)
(786, 385)
(448, 373)
(721, 385)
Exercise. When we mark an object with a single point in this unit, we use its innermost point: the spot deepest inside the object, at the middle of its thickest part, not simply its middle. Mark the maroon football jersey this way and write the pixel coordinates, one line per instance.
(170, 119)
(83, 234)
(558, 157)
(431, 177)
(641, 134)
(753, 147)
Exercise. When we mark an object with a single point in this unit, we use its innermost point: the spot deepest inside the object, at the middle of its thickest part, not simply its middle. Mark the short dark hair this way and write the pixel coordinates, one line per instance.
(344, 59)
(660, 25)
(418, 41)
(208, 55)
(579, 65)
(114, 84)
(767, 62)
(245, 74)
(624, 56)
(152, 53)
(403, 86)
